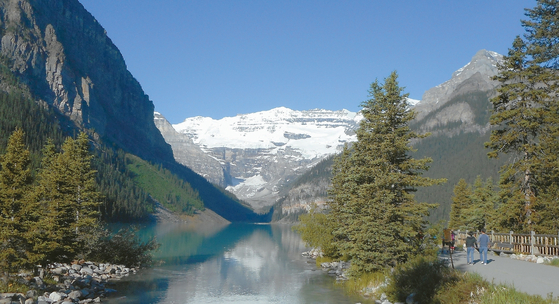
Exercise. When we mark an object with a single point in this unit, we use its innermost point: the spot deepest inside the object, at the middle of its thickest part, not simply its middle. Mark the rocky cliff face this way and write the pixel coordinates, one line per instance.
(449, 109)
(64, 55)
(189, 154)
(473, 77)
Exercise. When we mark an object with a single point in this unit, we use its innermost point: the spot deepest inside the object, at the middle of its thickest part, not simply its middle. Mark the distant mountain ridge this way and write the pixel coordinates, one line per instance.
(456, 113)
(255, 155)
(242, 153)
(474, 76)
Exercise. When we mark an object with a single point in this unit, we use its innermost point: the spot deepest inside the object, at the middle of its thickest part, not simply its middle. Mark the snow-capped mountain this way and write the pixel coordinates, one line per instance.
(254, 155)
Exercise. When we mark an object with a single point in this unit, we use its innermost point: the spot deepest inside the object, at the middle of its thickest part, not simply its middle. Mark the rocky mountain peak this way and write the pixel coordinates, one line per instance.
(67, 60)
(483, 66)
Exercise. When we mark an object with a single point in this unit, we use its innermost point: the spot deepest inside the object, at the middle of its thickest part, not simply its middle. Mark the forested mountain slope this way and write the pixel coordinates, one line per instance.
(57, 55)
(456, 113)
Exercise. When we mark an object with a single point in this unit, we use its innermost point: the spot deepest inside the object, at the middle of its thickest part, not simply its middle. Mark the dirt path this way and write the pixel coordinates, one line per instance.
(532, 278)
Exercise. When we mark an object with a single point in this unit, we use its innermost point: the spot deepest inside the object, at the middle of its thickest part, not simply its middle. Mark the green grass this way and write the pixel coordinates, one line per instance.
(356, 285)
(172, 192)
(496, 294)
(13, 286)
(432, 282)
(554, 262)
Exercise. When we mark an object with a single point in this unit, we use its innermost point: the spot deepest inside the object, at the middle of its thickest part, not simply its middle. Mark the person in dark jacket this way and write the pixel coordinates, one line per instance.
(484, 243)
(471, 244)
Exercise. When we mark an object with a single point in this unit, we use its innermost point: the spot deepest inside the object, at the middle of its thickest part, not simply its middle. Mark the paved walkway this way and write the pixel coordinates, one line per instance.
(532, 278)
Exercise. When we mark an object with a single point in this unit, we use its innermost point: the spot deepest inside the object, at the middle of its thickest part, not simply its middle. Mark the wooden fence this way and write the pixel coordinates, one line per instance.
(536, 244)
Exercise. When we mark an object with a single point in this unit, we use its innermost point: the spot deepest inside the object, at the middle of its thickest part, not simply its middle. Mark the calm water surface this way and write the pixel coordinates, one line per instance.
(238, 263)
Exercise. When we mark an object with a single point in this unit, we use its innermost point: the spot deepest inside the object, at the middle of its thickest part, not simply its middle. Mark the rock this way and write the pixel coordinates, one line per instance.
(540, 260)
(55, 296)
(29, 301)
(75, 295)
(31, 293)
(39, 282)
(44, 300)
(59, 270)
(86, 270)
(85, 292)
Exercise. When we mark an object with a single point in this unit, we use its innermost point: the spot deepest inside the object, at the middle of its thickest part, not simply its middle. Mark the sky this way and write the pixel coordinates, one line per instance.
(221, 58)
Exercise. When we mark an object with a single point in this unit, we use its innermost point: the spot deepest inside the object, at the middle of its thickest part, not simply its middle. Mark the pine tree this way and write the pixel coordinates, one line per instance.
(460, 204)
(483, 200)
(376, 220)
(86, 198)
(66, 192)
(15, 182)
(526, 114)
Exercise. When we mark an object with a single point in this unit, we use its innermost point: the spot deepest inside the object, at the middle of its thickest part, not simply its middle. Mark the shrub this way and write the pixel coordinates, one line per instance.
(421, 276)
(358, 284)
(123, 247)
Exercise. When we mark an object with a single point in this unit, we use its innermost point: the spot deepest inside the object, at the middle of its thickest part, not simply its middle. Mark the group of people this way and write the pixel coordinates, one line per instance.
(482, 244)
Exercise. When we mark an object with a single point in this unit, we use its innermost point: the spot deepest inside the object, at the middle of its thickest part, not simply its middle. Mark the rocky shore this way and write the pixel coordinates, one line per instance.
(80, 282)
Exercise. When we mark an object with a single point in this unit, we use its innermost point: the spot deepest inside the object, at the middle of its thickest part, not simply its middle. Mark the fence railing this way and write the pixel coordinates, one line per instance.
(531, 243)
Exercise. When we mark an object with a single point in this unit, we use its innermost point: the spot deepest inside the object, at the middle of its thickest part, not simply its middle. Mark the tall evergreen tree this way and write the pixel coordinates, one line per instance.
(460, 204)
(66, 192)
(483, 200)
(86, 199)
(15, 182)
(526, 114)
(377, 221)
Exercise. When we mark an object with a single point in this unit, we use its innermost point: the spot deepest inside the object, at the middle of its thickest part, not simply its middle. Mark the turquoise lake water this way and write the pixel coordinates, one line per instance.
(237, 263)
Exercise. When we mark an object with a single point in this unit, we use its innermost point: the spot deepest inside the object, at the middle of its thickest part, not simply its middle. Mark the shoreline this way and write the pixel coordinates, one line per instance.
(80, 282)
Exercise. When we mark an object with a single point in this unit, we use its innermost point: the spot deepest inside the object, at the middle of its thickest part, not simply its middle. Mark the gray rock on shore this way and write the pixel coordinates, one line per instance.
(76, 283)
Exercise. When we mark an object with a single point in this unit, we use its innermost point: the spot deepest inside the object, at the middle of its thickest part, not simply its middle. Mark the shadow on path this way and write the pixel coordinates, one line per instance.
(532, 278)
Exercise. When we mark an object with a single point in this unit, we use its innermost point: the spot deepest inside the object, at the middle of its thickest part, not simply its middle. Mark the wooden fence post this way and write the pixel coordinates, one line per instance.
(510, 237)
(532, 240)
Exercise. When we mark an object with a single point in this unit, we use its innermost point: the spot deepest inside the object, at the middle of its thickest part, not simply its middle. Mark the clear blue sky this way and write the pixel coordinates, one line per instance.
(221, 58)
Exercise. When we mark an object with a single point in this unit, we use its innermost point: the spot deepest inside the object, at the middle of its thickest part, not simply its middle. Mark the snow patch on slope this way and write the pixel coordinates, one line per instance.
(314, 133)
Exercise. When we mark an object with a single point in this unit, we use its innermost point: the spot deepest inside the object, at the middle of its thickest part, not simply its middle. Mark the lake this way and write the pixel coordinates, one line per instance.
(237, 263)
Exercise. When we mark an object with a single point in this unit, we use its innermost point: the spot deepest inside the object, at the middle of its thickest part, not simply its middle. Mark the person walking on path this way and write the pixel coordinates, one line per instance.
(484, 243)
(470, 246)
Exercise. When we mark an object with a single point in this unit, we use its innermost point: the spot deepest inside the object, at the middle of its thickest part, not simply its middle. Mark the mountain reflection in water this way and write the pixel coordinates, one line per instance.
(237, 263)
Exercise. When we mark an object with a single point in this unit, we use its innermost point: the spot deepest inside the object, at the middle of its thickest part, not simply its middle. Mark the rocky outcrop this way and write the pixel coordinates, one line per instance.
(461, 104)
(309, 191)
(68, 62)
(190, 154)
(474, 76)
